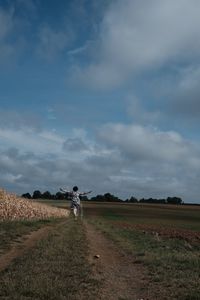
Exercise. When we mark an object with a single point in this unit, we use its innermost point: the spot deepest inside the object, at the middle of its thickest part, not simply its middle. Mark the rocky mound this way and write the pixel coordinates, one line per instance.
(17, 208)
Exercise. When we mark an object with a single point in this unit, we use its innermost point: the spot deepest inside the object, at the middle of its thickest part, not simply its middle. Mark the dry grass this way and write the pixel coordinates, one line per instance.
(17, 208)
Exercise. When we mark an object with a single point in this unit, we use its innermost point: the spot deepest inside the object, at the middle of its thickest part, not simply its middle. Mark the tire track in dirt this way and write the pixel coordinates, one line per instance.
(120, 276)
(23, 244)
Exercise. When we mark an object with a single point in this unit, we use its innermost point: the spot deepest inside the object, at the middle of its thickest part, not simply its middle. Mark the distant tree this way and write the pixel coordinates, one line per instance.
(98, 198)
(174, 200)
(106, 197)
(37, 195)
(60, 196)
(111, 198)
(153, 200)
(133, 200)
(169, 200)
(142, 200)
(84, 198)
(26, 195)
(47, 195)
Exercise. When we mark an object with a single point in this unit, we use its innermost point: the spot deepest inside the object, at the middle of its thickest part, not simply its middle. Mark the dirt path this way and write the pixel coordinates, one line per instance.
(23, 244)
(119, 274)
(122, 278)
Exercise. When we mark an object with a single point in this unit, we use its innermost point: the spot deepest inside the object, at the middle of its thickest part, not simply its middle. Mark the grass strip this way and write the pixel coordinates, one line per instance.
(57, 268)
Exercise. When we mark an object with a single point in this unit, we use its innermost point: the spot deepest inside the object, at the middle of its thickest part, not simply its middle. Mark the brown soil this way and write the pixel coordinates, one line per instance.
(22, 245)
(121, 275)
(190, 236)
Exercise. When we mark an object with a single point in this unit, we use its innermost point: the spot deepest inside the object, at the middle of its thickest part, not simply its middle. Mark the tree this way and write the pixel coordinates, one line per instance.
(133, 200)
(84, 198)
(111, 198)
(153, 200)
(174, 200)
(26, 195)
(37, 195)
(47, 195)
(98, 198)
(106, 197)
(60, 196)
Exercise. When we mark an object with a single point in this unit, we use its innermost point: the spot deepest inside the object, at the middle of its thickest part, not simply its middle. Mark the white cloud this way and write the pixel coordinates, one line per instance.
(75, 144)
(185, 98)
(149, 144)
(124, 160)
(140, 35)
(28, 140)
(11, 178)
(152, 163)
(16, 120)
(78, 50)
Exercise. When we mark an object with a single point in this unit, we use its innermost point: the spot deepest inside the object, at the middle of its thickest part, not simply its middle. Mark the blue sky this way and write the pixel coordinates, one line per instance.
(101, 94)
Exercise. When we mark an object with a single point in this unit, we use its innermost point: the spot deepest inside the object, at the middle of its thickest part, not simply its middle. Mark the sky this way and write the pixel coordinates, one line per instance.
(100, 94)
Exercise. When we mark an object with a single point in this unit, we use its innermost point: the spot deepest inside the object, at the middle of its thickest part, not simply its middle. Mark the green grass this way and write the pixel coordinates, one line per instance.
(187, 217)
(57, 203)
(172, 265)
(11, 231)
(56, 268)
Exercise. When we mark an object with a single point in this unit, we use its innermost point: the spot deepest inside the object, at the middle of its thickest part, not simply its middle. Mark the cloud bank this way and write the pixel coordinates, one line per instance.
(136, 36)
(122, 159)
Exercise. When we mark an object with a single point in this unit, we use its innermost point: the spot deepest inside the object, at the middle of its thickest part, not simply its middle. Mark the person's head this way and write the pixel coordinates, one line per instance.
(75, 188)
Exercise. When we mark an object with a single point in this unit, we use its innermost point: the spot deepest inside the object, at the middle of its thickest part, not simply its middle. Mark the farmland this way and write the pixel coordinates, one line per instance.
(163, 239)
(146, 252)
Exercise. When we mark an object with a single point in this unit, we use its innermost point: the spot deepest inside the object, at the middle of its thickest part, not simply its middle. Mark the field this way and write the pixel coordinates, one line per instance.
(164, 239)
(115, 251)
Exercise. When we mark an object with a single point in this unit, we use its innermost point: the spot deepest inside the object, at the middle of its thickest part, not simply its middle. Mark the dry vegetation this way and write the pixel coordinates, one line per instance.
(16, 208)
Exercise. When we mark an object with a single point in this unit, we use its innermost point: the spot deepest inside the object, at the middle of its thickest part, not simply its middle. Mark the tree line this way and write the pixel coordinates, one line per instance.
(46, 195)
(102, 198)
(111, 198)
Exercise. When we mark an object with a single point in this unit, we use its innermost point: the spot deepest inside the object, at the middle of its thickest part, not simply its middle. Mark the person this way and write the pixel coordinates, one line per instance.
(75, 199)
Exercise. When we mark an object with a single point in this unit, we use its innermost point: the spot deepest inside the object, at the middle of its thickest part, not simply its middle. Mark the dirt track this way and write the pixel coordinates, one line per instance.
(121, 276)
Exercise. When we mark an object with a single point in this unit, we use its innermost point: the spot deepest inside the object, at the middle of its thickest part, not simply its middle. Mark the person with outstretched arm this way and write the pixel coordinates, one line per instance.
(75, 200)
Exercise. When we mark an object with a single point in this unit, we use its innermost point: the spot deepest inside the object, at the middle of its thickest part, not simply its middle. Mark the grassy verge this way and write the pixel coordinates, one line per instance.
(57, 268)
(11, 231)
(172, 265)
